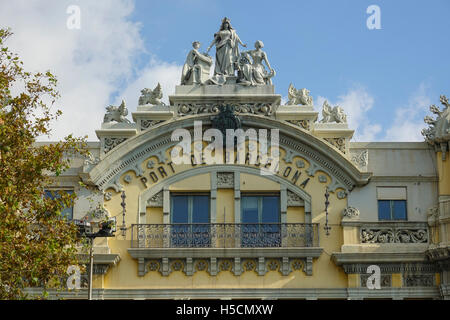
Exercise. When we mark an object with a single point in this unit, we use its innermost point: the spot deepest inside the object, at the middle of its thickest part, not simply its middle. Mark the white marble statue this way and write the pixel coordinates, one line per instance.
(331, 114)
(251, 68)
(149, 96)
(196, 68)
(117, 114)
(227, 43)
(299, 96)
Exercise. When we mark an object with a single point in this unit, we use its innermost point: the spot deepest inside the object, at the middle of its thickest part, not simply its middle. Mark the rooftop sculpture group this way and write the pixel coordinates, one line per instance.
(231, 66)
(229, 60)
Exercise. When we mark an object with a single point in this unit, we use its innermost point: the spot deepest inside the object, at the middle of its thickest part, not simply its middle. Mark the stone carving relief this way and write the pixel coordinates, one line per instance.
(438, 132)
(305, 124)
(331, 114)
(145, 124)
(225, 180)
(337, 142)
(237, 265)
(117, 114)
(361, 159)
(299, 96)
(156, 201)
(265, 109)
(293, 200)
(90, 162)
(111, 143)
(350, 212)
(152, 97)
(390, 235)
(419, 280)
(385, 281)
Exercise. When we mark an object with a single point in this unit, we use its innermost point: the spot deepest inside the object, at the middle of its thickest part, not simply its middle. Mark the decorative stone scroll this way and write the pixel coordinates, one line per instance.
(145, 124)
(350, 212)
(419, 280)
(390, 235)
(385, 280)
(111, 143)
(225, 180)
(186, 109)
(337, 142)
(305, 124)
(237, 266)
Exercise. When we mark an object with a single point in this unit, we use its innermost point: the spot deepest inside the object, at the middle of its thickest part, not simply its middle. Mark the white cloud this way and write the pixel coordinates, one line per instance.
(356, 103)
(408, 120)
(168, 75)
(91, 63)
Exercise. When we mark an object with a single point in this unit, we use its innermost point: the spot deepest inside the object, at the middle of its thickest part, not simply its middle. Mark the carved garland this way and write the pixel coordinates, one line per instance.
(393, 235)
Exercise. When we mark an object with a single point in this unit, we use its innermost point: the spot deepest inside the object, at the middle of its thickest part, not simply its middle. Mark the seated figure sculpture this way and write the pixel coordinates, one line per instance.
(254, 73)
(196, 68)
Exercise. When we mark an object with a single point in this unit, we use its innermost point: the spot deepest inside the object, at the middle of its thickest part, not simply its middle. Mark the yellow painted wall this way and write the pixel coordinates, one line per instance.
(225, 206)
(251, 182)
(296, 215)
(444, 174)
(201, 182)
(325, 273)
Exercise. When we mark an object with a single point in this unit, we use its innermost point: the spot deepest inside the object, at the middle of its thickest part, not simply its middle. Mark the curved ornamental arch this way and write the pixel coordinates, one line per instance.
(144, 162)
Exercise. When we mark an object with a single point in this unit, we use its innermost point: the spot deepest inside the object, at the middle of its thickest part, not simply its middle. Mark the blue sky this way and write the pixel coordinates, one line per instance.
(385, 79)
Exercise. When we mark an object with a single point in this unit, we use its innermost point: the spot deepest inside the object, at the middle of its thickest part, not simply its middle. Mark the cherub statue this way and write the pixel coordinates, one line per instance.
(299, 96)
(116, 113)
(149, 96)
(331, 114)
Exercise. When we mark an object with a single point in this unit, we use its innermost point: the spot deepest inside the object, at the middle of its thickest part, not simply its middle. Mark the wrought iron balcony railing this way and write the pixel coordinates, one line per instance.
(225, 235)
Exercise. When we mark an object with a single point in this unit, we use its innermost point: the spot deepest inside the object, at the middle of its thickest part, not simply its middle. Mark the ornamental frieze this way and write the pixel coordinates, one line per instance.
(237, 266)
(369, 235)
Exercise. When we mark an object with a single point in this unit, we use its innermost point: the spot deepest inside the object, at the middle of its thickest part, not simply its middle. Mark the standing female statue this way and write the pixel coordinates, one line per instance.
(227, 49)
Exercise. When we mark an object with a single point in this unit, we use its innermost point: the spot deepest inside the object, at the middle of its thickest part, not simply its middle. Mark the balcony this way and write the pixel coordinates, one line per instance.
(225, 235)
(216, 247)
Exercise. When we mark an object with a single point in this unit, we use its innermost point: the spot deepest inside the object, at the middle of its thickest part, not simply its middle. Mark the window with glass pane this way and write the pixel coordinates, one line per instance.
(260, 217)
(190, 221)
(391, 209)
(66, 212)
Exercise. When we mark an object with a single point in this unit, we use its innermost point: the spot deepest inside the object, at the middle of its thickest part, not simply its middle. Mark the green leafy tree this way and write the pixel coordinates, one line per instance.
(36, 243)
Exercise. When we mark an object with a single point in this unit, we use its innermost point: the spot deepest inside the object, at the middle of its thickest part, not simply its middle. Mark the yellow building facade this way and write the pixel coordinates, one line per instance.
(314, 216)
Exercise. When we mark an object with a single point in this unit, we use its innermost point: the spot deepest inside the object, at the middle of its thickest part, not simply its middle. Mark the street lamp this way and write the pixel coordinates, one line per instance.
(107, 229)
(327, 228)
(123, 228)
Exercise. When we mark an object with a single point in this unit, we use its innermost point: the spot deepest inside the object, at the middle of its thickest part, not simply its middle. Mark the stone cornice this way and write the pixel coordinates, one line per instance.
(101, 258)
(378, 257)
(150, 253)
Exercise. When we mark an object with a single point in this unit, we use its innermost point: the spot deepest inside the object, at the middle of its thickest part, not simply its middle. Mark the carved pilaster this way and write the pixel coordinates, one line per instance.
(189, 267)
(237, 269)
(308, 266)
(262, 270)
(213, 266)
